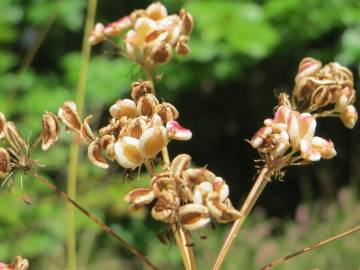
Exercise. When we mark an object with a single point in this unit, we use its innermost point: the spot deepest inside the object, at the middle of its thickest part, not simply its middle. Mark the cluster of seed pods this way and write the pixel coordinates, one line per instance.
(151, 34)
(186, 196)
(138, 129)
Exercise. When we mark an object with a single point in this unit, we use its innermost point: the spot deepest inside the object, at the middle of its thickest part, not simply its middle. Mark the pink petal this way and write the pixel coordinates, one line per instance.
(177, 132)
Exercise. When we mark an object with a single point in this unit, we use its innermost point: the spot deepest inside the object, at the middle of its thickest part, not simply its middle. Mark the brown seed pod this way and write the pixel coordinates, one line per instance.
(182, 47)
(136, 127)
(146, 105)
(69, 116)
(14, 138)
(95, 155)
(161, 53)
(167, 112)
(5, 165)
(187, 22)
(85, 131)
(139, 197)
(50, 130)
(139, 89)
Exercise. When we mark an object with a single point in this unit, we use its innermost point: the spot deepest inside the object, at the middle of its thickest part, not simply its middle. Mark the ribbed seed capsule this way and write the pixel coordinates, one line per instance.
(5, 165)
(139, 197)
(136, 127)
(179, 164)
(50, 130)
(152, 141)
(187, 22)
(69, 116)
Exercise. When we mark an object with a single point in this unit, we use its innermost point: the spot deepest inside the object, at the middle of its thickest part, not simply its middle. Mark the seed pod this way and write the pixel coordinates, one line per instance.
(161, 182)
(167, 112)
(20, 264)
(50, 130)
(349, 116)
(198, 175)
(5, 165)
(172, 25)
(139, 89)
(166, 207)
(14, 138)
(177, 132)
(155, 37)
(161, 53)
(125, 107)
(139, 197)
(147, 105)
(97, 34)
(194, 216)
(69, 116)
(95, 155)
(127, 152)
(152, 141)
(106, 140)
(325, 148)
(222, 211)
(179, 164)
(182, 47)
(156, 11)
(2, 125)
(136, 127)
(85, 132)
(187, 22)
(221, 188)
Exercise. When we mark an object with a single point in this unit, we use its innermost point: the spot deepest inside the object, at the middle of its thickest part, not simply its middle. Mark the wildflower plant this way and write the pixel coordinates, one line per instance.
(140, 127)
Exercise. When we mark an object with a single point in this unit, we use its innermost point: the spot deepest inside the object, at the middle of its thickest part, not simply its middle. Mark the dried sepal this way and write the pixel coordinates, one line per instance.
(95, 155)
(194, 216)
(177, 132)
(68, 114)
(86, 132)
(113, 126)
(124, 107)
(2, 125)
(13, 137)
(5, 164)
(139, 197)
(152, 141)
(50, 130)
(127, 152)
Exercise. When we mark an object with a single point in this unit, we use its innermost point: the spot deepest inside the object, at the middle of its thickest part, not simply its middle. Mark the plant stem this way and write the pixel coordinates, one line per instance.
(102, 225)
(74, 148)
(246, 208)
(311, 247)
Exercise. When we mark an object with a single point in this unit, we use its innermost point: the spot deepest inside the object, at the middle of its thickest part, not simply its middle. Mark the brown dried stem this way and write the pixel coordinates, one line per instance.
(102, 225)
(309, 248)
(246, 208)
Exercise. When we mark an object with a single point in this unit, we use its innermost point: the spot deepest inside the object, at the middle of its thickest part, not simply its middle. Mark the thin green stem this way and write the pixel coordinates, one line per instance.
(74, 149)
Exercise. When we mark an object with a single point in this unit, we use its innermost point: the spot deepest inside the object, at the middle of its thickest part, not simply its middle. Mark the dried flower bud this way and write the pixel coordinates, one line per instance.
(69, 116)
(179, 164)
(5, 165)
(147, 105)
(136, 127)
(2, 125)
(117, 27)
(139, 89)
(194, 216)
(167, 112)
(349, 116)
(13, 137)
(187, 22)
(97, 34)
(95, 155)
(50, 130)
(161, 53)
(127, 152)
(124, 107)
(85, 131)
(139, 197)
(152, 141)
(156, 11)
(177, 132)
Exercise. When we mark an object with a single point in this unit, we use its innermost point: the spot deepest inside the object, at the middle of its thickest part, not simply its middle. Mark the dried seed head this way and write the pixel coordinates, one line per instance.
(161, 54)
(13, 137)
(139, 197)
(349, 116)
(95, 155)
(127, 152)
(5, 165)
(177, 132)
(50, 130)
(2, 125)
(152, 141)
(146, 105)
(124, 107)
(156, 11)
(85, 131)
(167, 112)
(97, 34)
(139, 89)
(187, 22)
(69, 116)
(194, 216)
(179, 164)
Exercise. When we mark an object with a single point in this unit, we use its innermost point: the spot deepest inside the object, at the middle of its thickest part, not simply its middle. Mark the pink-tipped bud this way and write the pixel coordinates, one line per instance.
(177, 132)
(349, 116)
(259, 137)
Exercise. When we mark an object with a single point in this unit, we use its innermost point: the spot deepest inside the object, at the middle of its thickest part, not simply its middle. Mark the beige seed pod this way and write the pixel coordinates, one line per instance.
(106, 140)
(179, 164)
(194, 216)
(50, 130)
(152, 141)
(95, 155)
(123, 107)
(161, 54)
(166, 207)
(5, 165)
(167, 112)
(2, 125)
(146, 105)
(139, 89)
(139, 197)
(13, 137)
(136, 127)
(222, 211)
(69, 116)
(85, 131)
(127, 152)
(198, 175)
(187, 22)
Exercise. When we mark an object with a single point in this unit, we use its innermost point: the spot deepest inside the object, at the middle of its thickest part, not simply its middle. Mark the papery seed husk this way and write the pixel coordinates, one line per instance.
(179, 164)
(2, 125)
(69, 116)
(127, 153)
(136, 127)
(5, 165)
(85, 131)
(14, 138)
(125, 107)
(106, 140)
(167, 112)
(152, 141)
(139, 89)
(140, 196)
(95, 155)
(50, 130)
(147, 105)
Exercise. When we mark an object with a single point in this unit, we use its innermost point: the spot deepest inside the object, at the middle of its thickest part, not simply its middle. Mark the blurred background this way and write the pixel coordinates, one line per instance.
(243, 54)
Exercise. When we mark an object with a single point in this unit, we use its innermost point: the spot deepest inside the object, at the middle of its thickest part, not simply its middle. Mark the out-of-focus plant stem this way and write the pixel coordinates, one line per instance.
(102, 225)
(256, 190)
(74, 148)
(311, 247)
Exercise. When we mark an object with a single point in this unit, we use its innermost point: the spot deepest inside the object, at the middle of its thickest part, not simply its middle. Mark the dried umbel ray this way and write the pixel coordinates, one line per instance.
(187, 197)
(151, 36)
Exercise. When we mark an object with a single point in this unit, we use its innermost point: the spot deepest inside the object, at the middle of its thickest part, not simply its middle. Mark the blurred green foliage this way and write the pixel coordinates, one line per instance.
(241, 51)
